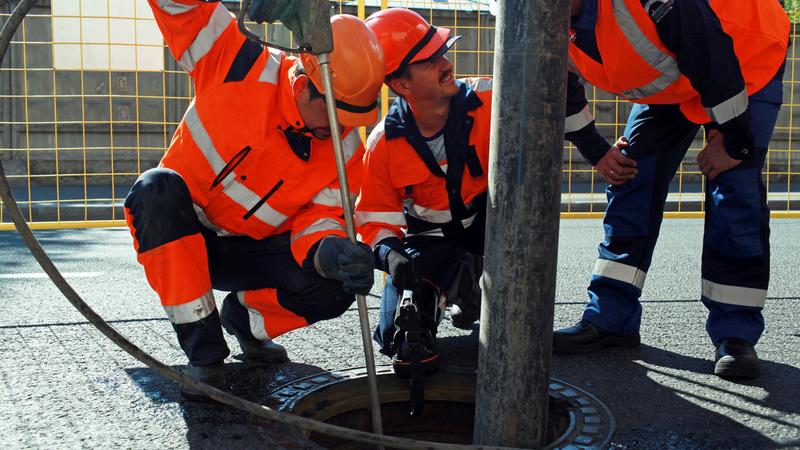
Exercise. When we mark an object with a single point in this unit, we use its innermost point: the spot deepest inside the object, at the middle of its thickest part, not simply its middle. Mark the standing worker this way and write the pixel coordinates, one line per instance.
(685, 63)
(246, 199)
(423, 199)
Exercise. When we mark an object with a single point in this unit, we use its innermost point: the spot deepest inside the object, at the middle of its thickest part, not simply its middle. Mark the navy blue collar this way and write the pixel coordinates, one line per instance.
(400, 121)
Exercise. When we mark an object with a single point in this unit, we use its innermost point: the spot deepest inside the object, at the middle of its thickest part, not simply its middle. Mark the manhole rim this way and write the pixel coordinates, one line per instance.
(597, 424)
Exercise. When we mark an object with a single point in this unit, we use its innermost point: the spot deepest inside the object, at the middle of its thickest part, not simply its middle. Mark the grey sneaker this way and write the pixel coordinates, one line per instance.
(254, 350)
(213, 374)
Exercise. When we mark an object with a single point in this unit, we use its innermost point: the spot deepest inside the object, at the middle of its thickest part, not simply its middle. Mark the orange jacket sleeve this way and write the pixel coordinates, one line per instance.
(201, 36)
(379, 209)
(323, 215)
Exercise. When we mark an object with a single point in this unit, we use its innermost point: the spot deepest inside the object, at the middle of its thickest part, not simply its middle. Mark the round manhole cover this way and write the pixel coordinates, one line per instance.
(577, 420)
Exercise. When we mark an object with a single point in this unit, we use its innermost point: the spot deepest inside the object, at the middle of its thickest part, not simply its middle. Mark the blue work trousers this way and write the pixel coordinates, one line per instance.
(735, 260)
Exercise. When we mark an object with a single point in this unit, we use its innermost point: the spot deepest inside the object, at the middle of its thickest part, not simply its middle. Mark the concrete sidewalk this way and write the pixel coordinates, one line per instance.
(64, 385)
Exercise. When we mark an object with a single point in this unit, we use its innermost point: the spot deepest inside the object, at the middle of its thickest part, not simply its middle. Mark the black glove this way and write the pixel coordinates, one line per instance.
(272, 10)
(352, 263)
(401, 268)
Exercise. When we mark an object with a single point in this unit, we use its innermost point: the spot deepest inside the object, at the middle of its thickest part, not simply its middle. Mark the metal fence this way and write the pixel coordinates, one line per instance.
(91, 97)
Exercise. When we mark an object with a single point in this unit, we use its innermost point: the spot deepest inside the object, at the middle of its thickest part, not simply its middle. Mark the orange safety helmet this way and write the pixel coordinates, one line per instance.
(407, 38)
(356, 71)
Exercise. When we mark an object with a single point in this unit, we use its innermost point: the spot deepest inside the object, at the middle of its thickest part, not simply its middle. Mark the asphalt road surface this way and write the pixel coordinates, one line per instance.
(64, 385)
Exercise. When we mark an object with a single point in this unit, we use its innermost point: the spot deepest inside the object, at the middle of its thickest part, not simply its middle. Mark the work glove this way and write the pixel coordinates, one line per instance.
(401, 268)
(272, 10)
(352, 263)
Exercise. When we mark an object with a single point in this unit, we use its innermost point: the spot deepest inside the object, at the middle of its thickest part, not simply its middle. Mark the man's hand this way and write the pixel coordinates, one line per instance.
(352, 263)
(401, 268)
(713, 159)
(615, 167)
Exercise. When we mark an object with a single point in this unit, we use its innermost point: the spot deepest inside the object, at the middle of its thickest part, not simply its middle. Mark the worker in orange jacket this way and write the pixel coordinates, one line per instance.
(685, 64)
(422, 205)
(246, 199)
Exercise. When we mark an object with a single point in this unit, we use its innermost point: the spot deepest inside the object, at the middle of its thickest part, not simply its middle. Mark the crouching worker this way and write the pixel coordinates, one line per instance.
(423, 199)
(246, 199)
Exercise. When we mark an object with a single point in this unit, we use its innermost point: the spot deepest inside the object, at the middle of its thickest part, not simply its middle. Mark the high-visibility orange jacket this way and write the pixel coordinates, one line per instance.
(638, 66)
(707, 57)
(247, 171)
(406, 188)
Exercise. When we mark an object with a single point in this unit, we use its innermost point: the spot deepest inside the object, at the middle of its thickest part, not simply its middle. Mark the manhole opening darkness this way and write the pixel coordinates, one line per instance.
(448, 415)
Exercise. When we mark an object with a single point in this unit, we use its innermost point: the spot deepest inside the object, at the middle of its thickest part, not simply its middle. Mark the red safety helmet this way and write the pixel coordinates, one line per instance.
(356, 71)
(407, 38)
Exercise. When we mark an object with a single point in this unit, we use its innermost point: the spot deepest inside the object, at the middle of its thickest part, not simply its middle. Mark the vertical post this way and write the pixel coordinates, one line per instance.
(527, 138)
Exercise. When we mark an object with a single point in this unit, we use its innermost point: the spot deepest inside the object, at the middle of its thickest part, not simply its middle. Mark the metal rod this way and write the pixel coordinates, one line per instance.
(344, 188)
(528, 104)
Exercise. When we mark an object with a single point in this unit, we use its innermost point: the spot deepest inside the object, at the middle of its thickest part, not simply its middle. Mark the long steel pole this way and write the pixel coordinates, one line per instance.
(344, 187)
(522, 222)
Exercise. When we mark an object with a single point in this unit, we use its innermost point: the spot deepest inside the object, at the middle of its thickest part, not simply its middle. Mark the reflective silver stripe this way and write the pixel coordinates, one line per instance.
(579, 120)
(206, 222)
(326, 224)
(206, 38)
(375, 136)
(660, 61)
(729, 109)
(383, 234)
(734, 295)
(466, 223)
(236, 191)
(193, 311)
(620, 272)
(256, 320)
(478, 84)
(328, 197)
(350, 144)
(170, 7)
(392, 218)
(272, 68)
(331, 197)
(430, 214)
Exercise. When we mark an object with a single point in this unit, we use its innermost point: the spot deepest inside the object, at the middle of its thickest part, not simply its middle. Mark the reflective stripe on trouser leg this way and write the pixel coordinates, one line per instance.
(159, 213)
(267, 317)
(659, 137)
(736, 241)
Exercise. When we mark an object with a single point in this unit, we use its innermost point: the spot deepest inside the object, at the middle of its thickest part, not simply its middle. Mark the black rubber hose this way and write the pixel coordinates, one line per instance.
(9, 28)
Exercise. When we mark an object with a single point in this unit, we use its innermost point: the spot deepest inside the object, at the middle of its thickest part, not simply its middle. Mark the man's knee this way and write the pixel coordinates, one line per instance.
(158, 188)
(330, 301)
(160, 209)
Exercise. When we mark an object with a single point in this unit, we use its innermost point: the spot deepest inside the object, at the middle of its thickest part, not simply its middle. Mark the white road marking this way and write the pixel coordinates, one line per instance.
(44, 275)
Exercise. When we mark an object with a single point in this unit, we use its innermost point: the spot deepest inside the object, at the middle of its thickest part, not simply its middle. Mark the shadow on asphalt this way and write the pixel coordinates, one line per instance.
(662, 399)
(213, 425)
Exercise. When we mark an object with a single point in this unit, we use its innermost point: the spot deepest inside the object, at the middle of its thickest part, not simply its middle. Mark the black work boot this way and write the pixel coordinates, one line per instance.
(584, 337)
(466, 307)
(736, 358)
(213, 374)
(254, 350)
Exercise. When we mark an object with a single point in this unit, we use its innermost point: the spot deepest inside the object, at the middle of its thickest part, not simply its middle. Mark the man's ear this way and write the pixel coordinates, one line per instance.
(399, 86)
(300, 86)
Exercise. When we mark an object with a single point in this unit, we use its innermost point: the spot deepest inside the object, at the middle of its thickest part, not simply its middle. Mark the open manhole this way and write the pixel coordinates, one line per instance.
(577, 420)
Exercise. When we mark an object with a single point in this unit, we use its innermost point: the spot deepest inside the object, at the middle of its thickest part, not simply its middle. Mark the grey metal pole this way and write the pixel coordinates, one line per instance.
(519, 276)
(344, 187)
